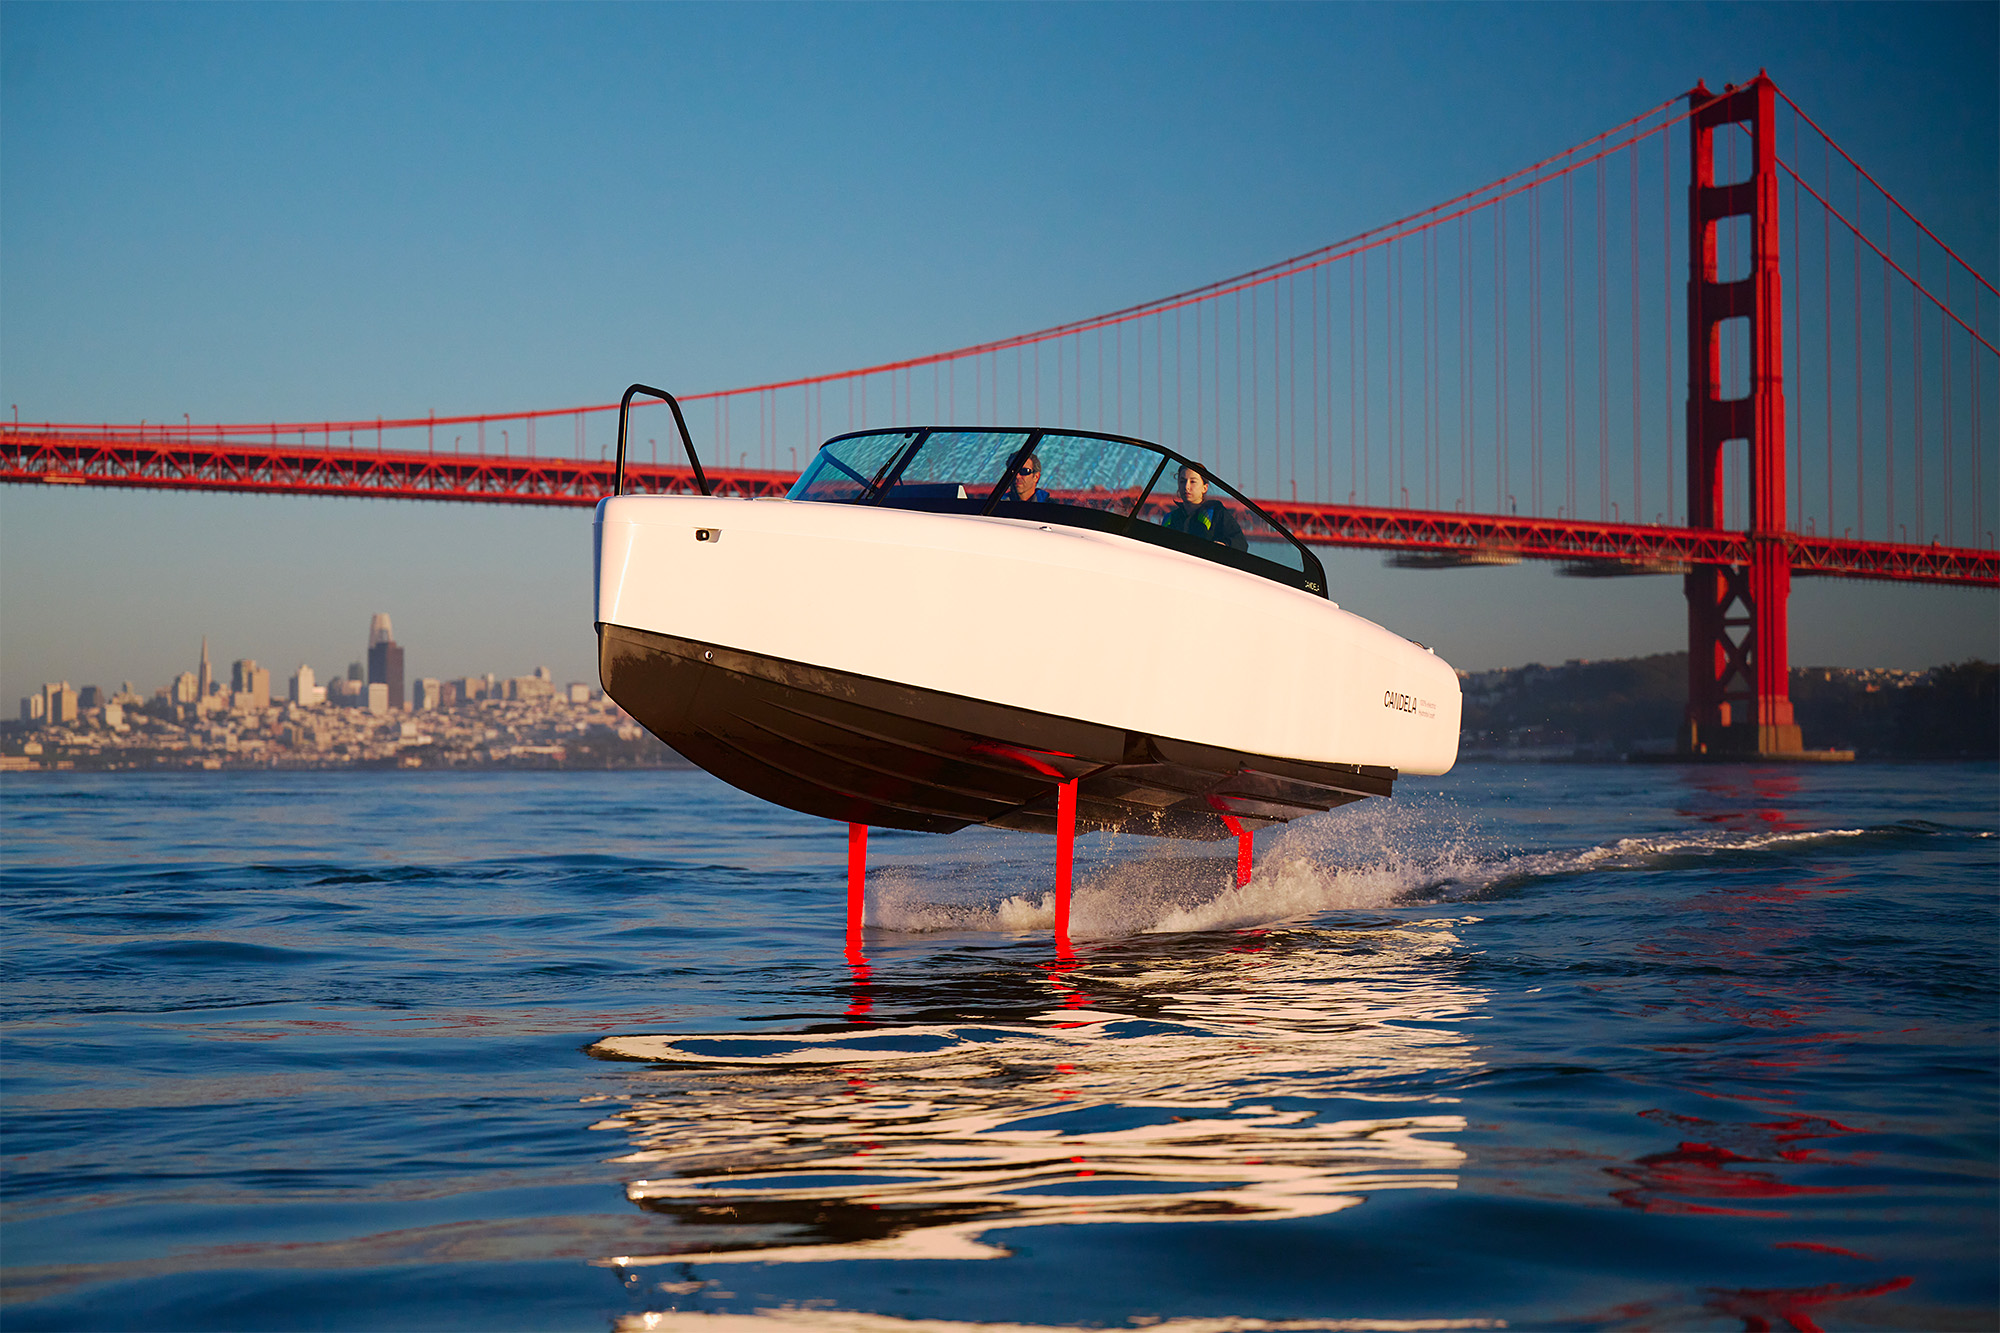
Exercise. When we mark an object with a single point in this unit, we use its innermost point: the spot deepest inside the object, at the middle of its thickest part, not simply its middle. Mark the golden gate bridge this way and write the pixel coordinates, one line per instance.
(1786, 375)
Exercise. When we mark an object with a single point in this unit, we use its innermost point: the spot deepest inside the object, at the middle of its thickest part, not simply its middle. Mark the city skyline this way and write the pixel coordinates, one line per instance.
(469, 233)
(252, 683)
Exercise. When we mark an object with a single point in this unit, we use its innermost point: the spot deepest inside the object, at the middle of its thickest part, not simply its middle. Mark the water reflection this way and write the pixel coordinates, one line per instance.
(1182, 1083)
(1745, 800)
(1764, 1308)
(1719, 1173)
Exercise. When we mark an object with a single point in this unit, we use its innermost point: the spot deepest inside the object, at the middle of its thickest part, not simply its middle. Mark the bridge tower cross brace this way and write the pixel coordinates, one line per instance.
(1739, 659)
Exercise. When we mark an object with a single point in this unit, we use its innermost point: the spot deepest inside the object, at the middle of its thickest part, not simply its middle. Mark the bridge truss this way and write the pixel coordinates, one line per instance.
(125, 457)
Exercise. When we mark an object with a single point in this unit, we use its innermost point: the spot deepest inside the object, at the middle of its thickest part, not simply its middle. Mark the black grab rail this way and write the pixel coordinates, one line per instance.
(687, 441)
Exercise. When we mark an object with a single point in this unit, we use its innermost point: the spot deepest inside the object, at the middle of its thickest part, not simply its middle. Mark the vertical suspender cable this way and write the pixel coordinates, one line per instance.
(1236, 388)
(1639, 509)
(1353, 433)
(1603, 367)
(1500, 477)
(1667, 311)
(1888, 379)
(1285, 386)
(1061, 402)
(1256, 395)
(1318, 490)
(1437, 367)
(1428, 385)
(1950, 415)
(1569, 341)
(1459, 262)
(1396, 409)
(1291, 381)
(1917, 387)
(1795, 401)
(1978, 434)
(1465, 362)
(1535, 349)
(1860, 477)
(1826, 317)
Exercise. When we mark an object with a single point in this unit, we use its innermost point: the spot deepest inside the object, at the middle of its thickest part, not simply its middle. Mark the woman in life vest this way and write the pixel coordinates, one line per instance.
(1199, 516)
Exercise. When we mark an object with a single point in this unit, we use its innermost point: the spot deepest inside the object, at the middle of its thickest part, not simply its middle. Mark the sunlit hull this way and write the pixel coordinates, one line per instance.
(930, 671)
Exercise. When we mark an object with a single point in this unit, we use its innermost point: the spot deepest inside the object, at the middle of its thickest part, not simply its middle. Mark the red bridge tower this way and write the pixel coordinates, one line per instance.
(1739, 688)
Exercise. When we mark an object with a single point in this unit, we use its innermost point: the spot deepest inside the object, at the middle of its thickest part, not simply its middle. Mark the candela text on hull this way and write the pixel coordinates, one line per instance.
(940, 627)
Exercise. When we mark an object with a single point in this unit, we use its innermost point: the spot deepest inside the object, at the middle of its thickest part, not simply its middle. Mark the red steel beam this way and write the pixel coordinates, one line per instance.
(179, 463)
(118, 459)
(1486, 537)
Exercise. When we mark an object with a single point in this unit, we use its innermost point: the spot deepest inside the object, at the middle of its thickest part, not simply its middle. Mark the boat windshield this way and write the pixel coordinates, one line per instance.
(1104, 482)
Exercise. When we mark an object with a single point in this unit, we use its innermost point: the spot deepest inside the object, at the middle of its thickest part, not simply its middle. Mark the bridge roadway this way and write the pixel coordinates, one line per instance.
(169, 461)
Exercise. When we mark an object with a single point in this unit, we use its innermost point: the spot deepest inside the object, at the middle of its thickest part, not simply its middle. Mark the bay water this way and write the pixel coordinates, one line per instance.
(1548, 1047)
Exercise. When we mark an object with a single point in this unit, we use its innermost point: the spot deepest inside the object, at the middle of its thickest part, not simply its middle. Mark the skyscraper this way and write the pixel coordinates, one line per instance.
(385, 659)
(249, 684)
(202, 678)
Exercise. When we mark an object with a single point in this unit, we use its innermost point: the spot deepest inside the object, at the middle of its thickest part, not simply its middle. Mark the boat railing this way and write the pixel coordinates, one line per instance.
(680, 423)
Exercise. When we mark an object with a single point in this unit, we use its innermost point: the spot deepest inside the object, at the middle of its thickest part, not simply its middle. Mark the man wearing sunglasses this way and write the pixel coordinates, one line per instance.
(1028, 483)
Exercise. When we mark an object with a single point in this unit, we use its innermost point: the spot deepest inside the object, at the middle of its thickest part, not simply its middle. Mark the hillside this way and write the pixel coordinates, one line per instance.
(1608, 708)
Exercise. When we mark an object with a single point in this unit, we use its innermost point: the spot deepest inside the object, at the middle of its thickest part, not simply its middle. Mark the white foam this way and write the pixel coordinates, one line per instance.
(1362, 858)
(1349, 860)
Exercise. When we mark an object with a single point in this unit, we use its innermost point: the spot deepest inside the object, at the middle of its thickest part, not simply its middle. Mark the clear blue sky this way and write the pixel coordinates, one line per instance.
(291, 211)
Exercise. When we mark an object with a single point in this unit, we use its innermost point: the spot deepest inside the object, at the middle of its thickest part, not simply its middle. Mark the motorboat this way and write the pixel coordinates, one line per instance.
(1027, 628)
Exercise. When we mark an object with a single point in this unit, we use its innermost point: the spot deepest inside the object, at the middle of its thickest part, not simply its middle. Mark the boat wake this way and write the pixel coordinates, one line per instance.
(1360, 860)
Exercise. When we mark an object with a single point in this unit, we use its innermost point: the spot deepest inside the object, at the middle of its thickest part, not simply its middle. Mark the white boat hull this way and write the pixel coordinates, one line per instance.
(1030, 626)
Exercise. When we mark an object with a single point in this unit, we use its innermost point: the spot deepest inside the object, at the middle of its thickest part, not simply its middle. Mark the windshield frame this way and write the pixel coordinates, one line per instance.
(1311, 577)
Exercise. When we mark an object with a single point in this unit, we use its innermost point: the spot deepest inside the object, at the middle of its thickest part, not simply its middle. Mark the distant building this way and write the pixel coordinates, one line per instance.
(579, 693)
(378, 698)
(204, 678)
(303, 690)
(249, 684)
(34, 708)
(470, 688)
(186, 688)
(347, 692)
(89, 697)
(385, 659)
(531, 687)
(58, 703)
(428, 696)
(448, 694)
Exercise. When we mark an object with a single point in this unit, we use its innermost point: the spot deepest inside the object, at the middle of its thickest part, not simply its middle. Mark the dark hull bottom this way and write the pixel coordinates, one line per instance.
(868, 751)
